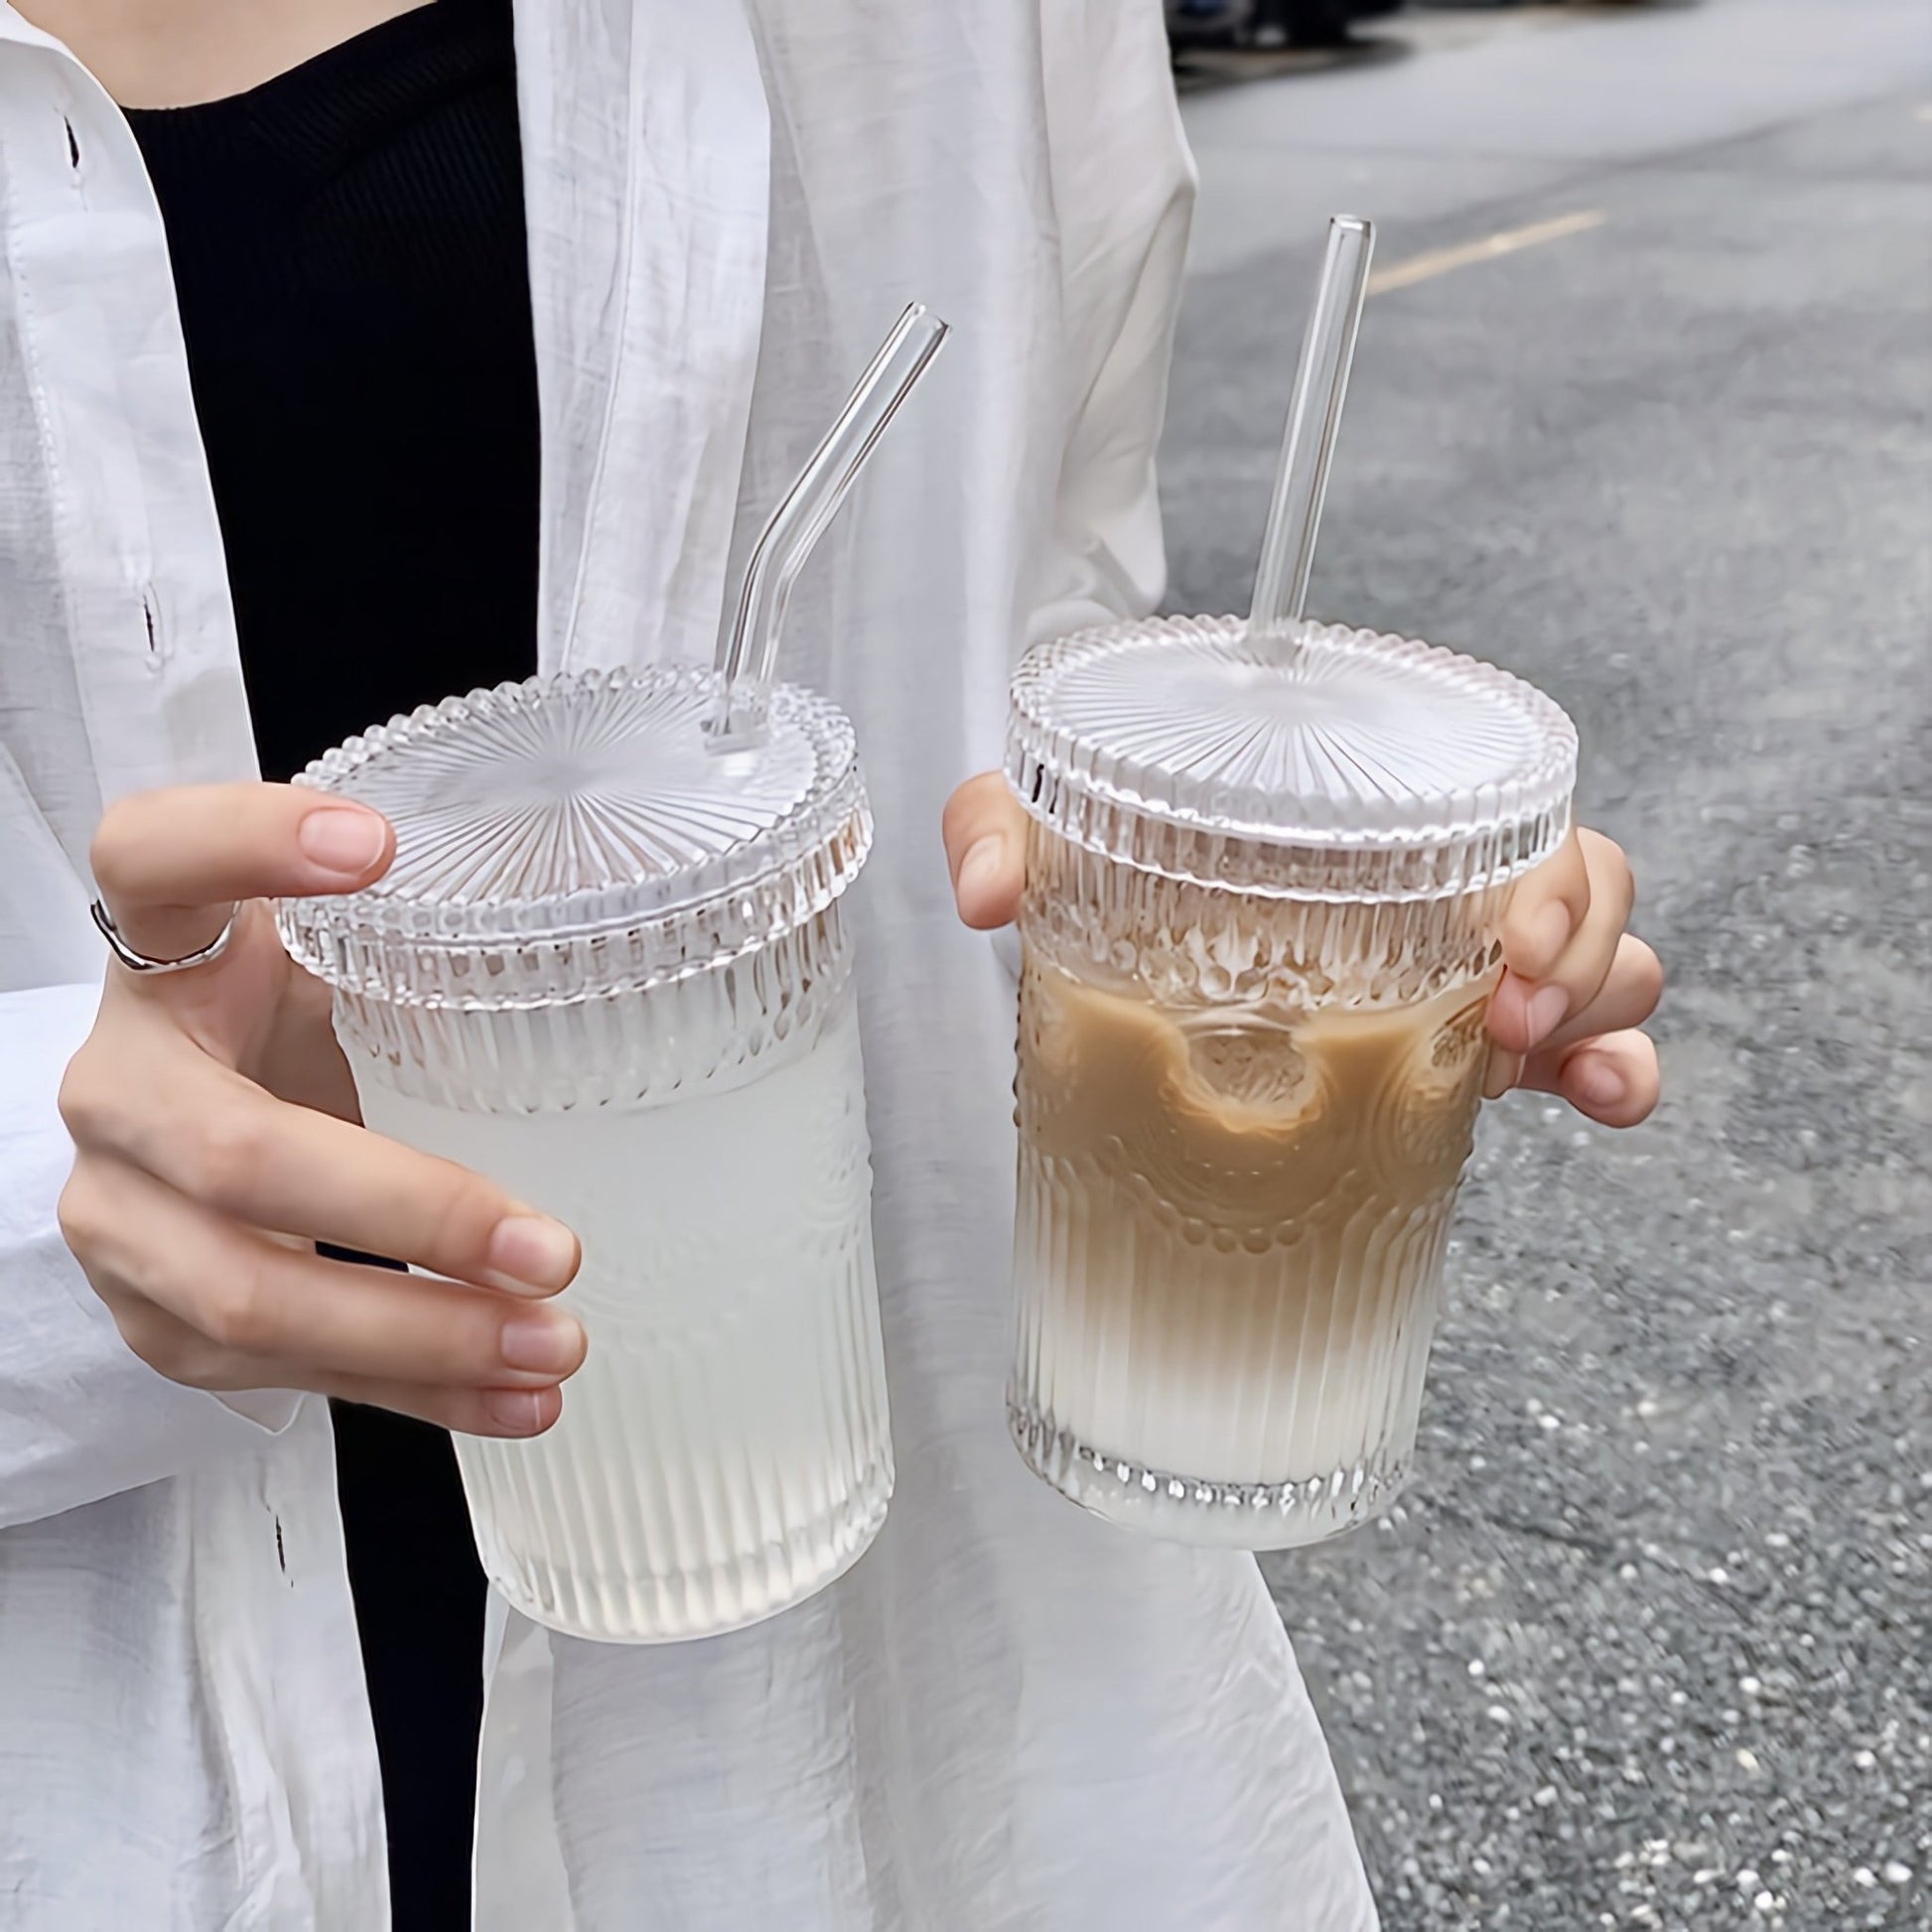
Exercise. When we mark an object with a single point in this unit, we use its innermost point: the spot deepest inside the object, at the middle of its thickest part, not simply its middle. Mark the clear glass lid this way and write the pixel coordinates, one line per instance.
(580, 835)
(1340, 762)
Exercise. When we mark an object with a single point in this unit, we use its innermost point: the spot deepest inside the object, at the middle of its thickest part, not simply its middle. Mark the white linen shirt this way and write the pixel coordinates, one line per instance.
(1008, 1717)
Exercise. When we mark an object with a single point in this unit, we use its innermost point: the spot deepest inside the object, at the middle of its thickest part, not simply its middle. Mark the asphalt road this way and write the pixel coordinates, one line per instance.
(1650, 1641)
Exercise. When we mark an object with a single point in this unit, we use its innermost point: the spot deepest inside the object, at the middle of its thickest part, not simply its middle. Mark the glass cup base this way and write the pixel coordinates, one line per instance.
(1189, 1509)
(632, 1609)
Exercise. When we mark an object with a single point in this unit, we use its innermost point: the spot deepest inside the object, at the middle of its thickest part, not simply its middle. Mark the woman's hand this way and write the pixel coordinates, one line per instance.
(214, 1126)
(1566, 1018)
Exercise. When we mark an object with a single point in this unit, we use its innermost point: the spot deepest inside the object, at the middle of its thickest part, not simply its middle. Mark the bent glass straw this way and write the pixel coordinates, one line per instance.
(746, 658)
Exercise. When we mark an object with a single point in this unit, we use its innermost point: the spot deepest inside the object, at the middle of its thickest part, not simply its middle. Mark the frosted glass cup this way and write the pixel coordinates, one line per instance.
(1261, 927)
(611, 970)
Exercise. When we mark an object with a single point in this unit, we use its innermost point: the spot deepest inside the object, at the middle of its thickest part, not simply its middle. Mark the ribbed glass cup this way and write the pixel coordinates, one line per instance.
(1260, 930)
(611, 970)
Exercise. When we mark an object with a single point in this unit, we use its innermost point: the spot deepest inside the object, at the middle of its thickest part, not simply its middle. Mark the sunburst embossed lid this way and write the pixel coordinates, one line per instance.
(1345, 765)
(577, 836)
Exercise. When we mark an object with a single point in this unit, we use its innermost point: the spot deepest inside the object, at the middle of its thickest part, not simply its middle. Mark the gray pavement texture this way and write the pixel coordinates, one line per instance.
(1650, 1642)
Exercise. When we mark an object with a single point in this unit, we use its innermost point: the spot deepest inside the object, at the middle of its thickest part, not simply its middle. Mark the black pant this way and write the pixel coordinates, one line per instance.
(419, 1607)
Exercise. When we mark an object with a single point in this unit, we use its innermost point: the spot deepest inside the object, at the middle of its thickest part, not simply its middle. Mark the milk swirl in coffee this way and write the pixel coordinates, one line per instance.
(1232, 1222)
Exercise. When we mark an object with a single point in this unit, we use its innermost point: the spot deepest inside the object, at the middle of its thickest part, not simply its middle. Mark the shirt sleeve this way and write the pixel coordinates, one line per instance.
(81, 1417)
(1123, 184)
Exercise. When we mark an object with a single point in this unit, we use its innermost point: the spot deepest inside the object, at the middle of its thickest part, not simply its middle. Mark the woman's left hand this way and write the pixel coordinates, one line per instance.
(1577, 989)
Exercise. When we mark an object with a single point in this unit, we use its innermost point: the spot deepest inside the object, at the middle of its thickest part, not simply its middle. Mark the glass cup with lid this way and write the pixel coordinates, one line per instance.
(612, 969)
(1266, 879)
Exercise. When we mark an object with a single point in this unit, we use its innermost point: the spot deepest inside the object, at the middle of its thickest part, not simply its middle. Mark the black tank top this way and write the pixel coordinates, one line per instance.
(347, 242)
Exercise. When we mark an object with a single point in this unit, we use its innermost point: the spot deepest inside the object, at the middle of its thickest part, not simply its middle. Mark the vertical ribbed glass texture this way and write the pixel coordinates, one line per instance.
(723, 1451)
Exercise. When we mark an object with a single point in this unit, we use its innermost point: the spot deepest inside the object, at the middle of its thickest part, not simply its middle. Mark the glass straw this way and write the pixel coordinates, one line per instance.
(1313, 416)
(746, 658)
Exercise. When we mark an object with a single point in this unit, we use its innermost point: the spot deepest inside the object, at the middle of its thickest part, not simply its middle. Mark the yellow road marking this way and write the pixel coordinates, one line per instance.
(1443, 261)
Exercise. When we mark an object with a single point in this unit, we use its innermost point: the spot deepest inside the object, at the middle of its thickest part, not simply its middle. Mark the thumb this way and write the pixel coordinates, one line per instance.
(172, 866)
(986, 851)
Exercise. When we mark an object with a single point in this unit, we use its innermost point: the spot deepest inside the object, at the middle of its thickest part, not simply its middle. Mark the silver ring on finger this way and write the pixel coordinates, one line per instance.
(139, 962)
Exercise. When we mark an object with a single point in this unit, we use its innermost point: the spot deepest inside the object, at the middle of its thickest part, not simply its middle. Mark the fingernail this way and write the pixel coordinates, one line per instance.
(530, 1251)
(1549, 933)
(543, 1344)
(1593, 1080)
(517, 1412)
(1545, 1013)
(342, 839)
(1503, 1071)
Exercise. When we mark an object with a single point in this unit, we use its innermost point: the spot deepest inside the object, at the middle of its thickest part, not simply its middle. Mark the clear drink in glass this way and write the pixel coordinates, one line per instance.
(611, 969)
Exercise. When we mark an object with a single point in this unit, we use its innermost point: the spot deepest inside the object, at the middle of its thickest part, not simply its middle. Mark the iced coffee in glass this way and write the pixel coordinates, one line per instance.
(1261, 927)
